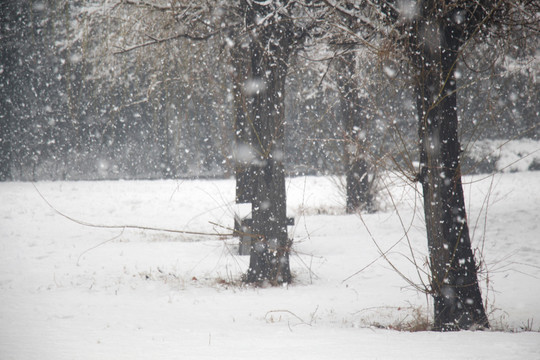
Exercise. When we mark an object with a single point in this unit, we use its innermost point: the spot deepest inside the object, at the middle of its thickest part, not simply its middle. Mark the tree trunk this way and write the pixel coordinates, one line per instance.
(13, 19)
(356, 168)
(269, 49)
(5, 148)
(243, 135)
(454, 283)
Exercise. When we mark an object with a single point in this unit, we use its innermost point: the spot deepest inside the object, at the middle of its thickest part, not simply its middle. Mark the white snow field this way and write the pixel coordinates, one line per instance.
(69, 291)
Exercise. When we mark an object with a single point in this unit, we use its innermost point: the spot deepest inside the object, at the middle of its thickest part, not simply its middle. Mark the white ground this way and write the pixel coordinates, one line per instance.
(156, 295)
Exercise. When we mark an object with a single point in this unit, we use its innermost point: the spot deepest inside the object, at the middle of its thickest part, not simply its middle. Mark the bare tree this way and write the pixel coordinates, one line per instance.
(274, 32)
(433, 34)
(260, 63)
(436, 37)
(260, 37)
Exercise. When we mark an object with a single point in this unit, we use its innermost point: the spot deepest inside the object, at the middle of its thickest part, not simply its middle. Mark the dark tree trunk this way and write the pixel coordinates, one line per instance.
(243, 135)
(356, 168)
(244, 170)
(454, 283)
(164, 141)
(5, 149)
(270, 48)
(11, 24)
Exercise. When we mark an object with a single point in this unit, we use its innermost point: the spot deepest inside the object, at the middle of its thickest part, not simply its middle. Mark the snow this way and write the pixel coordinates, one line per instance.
(76, 292)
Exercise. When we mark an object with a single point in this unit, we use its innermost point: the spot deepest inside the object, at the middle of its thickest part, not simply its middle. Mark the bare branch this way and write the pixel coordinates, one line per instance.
(148, 5)
(155, 41)
(123, 227)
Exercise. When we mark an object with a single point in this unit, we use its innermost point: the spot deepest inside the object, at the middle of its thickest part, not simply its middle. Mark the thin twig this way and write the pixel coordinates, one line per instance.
(302, 321)
(98, 245)
(155, 41)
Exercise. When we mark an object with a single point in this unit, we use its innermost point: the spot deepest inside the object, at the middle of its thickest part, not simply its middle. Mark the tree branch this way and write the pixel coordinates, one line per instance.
(155, 40)
(149, 5)
(123, 227)
(350, 14)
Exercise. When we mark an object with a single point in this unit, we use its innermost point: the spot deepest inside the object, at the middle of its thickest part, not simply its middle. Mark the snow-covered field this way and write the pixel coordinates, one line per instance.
(69, 291)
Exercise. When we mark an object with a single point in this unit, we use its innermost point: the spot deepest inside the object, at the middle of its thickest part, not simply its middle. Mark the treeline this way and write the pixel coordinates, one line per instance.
(167, 111)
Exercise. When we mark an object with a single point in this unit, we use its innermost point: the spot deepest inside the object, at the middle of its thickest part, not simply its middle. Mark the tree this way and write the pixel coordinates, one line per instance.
(262, 36)
(436, 37)
(433, 34)
(270, 47)
(353, 118)
(260, 79)
(8, 16)
(358, 189)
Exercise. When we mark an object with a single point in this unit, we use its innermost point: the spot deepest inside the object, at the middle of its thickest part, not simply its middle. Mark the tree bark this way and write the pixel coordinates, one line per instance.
(454, 283)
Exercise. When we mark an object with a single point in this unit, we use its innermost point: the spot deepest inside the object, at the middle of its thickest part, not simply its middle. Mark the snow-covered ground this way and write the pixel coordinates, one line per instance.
(69, 291)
